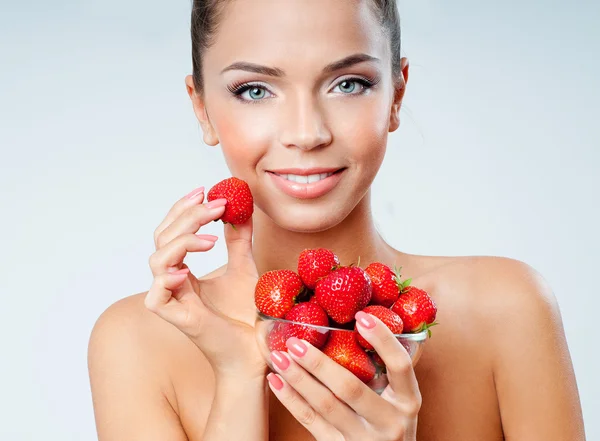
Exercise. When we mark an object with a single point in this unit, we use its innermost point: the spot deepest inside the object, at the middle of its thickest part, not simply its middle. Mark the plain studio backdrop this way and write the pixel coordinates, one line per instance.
(497, 154)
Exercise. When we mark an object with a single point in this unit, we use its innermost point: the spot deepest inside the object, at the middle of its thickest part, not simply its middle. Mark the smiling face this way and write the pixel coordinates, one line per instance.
(300, 95)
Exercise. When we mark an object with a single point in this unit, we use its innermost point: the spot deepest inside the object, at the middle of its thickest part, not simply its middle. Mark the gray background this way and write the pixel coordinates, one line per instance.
(497, 154)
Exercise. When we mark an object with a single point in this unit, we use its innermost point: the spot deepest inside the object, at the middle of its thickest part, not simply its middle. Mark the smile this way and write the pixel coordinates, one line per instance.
(304, 179)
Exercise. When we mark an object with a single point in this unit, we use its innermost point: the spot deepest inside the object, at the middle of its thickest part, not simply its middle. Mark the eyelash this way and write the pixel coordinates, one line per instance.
(237, 89)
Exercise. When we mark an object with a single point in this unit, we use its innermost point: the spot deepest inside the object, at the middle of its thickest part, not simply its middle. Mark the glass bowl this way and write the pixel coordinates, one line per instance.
(270, 332)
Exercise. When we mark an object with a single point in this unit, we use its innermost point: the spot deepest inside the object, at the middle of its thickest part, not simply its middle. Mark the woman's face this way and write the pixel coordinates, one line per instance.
(299, 94)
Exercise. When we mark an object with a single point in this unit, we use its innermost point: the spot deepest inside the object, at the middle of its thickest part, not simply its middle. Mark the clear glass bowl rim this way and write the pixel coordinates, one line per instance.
(419, 336)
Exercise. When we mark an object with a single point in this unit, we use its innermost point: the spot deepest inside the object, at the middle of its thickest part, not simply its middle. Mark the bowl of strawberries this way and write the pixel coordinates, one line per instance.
(318, 304)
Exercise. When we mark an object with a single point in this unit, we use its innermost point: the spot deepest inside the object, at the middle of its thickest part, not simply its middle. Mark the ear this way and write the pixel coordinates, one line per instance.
(399, 89)
(210, 135)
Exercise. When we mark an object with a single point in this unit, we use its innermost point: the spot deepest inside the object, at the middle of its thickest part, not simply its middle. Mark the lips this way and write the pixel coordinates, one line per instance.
(306, 183)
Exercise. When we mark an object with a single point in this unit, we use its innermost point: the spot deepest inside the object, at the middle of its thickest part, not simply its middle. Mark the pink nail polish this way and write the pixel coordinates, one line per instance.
(275, 381)
(365, 320)
(296, 346)
(192, 194)
(280, 360)
(216, 203)
(207, 237)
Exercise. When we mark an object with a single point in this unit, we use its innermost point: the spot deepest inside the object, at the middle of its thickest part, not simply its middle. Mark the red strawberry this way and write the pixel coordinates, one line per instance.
(416, 309)
(313, 299)
(276, 291)
(344, 292)
(345, 351)
(315, 264)
(309, 313)
(240, 204)
(385, 282)
(276, 338)
(387, 316)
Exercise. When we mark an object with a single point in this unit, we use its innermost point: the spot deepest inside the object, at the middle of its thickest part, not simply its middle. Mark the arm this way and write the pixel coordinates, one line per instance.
(533, 372)
(130, 385)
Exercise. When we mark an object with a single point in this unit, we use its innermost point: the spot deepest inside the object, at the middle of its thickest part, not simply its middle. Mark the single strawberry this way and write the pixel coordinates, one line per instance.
(386, 284)
(314, 264)
(276, 338)
(240, 204)
(344, 292)
(416, 309)
(309, 313)
(345, 351)
(276, 292)
(387, 316)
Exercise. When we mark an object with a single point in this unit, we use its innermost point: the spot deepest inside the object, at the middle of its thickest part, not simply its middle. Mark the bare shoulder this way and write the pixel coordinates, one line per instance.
(499, 296)
(130, 342)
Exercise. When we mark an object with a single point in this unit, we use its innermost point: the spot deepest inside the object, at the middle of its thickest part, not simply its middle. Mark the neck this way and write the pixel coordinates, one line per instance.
(277, 248)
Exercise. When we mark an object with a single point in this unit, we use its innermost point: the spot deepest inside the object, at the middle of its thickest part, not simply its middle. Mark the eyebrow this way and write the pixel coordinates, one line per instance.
(276, 72)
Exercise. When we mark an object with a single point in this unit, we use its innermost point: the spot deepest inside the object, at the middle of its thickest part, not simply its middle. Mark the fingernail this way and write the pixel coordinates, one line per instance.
(296, 346)
(280, 360)
(275, 381)
(365, 320)
(192, 194)
(216, 203)
(207, 237)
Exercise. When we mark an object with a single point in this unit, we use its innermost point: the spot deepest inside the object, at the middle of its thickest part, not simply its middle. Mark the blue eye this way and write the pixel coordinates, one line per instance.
(249, 92)
(349, 85)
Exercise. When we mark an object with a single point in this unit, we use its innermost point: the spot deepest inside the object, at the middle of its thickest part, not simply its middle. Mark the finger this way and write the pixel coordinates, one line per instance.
(194, 197)
(191, 220)
(317, 395)
(160, 300)
(301, 410)
(239, 247)
(400, 372)
(173, 253)
(344, 384)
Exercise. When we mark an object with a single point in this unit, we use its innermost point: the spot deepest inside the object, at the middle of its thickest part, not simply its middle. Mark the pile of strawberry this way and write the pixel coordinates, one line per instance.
(325, 293)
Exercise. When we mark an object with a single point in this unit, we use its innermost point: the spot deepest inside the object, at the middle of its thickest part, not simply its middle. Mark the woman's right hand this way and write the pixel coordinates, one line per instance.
(217, 314)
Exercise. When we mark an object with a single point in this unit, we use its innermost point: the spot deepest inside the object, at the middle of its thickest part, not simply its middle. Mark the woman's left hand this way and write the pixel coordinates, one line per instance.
(333, 404)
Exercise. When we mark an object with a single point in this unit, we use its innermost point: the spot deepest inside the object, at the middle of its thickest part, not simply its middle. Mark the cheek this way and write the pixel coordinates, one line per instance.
(363, 130)
(243, 135)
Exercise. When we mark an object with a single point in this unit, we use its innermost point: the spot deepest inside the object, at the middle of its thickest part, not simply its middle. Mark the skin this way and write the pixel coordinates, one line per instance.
(497, 367)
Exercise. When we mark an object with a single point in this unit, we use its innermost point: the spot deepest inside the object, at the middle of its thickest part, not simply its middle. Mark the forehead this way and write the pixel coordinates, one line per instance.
(295, 34)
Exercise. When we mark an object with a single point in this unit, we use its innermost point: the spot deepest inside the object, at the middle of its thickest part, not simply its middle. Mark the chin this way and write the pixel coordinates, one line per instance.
(304, 219)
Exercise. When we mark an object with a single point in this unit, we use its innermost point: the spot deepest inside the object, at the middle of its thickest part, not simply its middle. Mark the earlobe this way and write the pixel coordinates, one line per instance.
(209, 134)
(399, 90)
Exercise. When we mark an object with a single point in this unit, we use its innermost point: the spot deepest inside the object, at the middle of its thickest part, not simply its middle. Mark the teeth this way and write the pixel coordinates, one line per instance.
(306, 179)
(314, 178)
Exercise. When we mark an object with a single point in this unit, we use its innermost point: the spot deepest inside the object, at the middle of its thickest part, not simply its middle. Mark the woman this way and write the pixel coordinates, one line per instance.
(291, 89)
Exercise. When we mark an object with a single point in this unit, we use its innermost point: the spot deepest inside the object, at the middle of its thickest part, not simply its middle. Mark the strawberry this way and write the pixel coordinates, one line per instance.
(416, 309)
(344, 292)
(312, 314)
(314, 264)
(387, 316)
(345, 351)
(240, 204)
(386, 284)
(276, 338)
(276, 292)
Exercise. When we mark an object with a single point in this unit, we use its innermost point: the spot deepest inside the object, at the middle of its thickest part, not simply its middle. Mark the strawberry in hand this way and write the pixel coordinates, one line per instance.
(240, 204)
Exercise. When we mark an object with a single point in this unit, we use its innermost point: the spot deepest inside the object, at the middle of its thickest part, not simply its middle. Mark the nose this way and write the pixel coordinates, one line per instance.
(304, 125)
